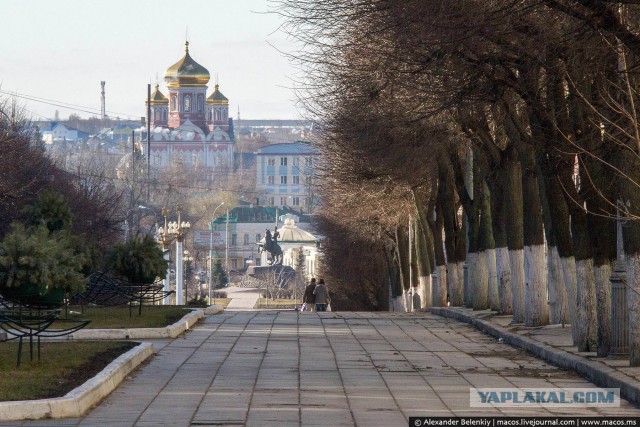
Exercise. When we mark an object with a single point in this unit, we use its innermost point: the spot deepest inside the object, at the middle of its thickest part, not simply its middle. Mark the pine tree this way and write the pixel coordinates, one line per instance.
(219, 275)
(139, 260)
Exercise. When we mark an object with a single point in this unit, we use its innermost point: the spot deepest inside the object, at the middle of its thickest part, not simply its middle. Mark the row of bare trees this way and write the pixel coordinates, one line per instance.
(503, 134)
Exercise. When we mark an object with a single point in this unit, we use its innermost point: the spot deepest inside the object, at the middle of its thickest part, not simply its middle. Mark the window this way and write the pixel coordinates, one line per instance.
(296, 179)
(307, 180)
(173, 102)
(272, 179)
(307, 161)
(187, 103)
(234, 239)
(307, 201)
(271, 201)
(296, 161)
(210, 115)
(283, 201)
(296, 201)
(157, 114)
(283, 179)
(164, 115)
(246, 239)
(283, 161)
(200, 103)
(271, 162)
(258, 237)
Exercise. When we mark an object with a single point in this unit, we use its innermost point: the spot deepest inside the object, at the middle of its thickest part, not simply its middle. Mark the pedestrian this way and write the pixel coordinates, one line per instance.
(322, 296)
(309, 298)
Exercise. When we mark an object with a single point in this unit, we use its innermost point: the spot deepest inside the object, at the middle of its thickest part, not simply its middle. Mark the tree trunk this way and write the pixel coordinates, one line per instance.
(557, 293)
(503, 271)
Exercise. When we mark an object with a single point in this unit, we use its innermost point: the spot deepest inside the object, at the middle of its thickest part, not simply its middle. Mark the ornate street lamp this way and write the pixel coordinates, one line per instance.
(166, 235)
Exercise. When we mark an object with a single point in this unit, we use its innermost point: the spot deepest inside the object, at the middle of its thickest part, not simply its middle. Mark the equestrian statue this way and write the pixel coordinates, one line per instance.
(271, 245)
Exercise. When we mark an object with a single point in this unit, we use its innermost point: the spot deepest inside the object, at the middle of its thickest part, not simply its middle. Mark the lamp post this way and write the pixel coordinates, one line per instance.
(187, 258)
(167, 234)
(211, 255)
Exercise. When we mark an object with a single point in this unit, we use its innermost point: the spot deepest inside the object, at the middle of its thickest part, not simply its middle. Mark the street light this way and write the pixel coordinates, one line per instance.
(211, 254)
(167, 234)
(187, 258)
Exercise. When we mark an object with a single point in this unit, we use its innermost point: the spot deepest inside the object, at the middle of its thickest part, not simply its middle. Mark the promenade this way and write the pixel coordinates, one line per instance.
(284, 368)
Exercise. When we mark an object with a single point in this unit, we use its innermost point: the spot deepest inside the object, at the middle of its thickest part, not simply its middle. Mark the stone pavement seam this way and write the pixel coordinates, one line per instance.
(255, 383)
(191, 421)
(601, 376)
(335, 358)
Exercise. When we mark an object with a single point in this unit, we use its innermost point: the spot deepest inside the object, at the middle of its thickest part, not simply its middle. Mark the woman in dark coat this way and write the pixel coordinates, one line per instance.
(309, 297)
(322, 296)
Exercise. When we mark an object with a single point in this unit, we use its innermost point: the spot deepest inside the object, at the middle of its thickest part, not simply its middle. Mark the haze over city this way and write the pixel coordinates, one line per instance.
(58, 52)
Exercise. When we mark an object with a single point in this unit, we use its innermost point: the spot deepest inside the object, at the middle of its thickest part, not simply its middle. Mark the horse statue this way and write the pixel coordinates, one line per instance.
(271, 245)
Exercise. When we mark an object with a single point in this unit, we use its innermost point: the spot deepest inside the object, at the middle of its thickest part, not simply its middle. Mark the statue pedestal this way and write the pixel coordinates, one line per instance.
(280, 274)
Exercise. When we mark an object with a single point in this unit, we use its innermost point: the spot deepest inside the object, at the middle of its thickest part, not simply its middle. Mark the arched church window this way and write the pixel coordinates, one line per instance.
(187, 103)
(225, 114)
(200, 103)
(217, 115)
(164, 115)
(210, 115)
(157, 114)
(173, 102)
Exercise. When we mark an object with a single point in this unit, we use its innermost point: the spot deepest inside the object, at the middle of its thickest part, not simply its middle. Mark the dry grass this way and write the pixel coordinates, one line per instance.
(153, 316)
(63, 366)
(279, 303)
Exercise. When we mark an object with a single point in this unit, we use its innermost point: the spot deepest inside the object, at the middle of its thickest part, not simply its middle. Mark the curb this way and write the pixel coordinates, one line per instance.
(171, 331)
(214, 309)
(601, 375)
(82, 398)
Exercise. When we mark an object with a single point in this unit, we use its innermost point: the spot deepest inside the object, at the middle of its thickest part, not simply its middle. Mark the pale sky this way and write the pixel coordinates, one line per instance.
(61, 50)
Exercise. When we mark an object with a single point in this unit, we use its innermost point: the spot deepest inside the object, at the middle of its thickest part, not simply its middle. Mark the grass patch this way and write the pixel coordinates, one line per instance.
(279, 303)
(63, 366)
(153, 316)
(224, 302)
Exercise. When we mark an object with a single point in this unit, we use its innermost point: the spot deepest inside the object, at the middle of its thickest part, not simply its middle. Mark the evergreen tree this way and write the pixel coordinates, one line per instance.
(300, 263)
(138, 260)
(50, 209)
(219, 275)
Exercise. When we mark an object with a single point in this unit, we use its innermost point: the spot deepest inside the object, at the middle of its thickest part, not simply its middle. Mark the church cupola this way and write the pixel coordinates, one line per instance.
(159, 108)
(187, 82)
(217, 110)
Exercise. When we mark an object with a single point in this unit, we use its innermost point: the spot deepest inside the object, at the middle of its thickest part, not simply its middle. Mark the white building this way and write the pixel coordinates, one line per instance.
(285, 175)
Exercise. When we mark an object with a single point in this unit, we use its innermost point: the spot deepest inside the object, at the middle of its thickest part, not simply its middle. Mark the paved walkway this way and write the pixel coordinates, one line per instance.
(242, 298)
(273, 368)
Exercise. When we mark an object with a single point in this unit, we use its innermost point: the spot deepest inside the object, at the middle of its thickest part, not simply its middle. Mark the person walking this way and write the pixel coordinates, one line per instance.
(322, 296)
(309, 298)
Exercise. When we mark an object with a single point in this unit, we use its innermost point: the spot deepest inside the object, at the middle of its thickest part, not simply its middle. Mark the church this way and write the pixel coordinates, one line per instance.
(188, 127)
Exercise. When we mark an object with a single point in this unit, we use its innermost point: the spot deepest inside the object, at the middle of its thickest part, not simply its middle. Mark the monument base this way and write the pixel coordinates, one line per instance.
(280, 274)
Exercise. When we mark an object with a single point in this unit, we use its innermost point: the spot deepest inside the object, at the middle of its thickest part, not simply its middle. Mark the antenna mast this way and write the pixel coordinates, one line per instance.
(103, 111)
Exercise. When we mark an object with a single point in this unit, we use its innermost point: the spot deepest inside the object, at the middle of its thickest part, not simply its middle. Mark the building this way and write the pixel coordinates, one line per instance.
(59, 132)
(237, 238)
(188, 127)
(285, 175)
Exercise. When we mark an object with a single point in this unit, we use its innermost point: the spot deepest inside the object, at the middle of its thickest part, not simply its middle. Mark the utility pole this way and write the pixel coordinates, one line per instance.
(148, 142)
(226, 246)
(133, 167)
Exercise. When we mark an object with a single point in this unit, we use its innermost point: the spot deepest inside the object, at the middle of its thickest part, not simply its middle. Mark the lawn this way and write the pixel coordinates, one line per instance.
(153, 316)
(224, 302)
(278, 303)
(63, 367)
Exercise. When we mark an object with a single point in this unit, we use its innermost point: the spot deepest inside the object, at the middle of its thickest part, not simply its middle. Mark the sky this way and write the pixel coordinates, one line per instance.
(60, 50)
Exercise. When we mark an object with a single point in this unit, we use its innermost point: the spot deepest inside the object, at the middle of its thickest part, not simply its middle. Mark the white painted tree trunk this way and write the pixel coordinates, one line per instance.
(492, 277)
(440, 287)
(586, 298)
(568, 265)
(398, 304)
(424, 290)
(536, 309)
(455, 285)
(407, 300)
(468, 280)
(516, 266)
(480, 281)
(504, 280)
(633, 305)
(602, 274)
(558, 311)
(460, 266)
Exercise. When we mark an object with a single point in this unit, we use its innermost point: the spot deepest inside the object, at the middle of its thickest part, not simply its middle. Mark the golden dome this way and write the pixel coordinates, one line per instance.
(217, 98)
(186, 72)
(157, 98)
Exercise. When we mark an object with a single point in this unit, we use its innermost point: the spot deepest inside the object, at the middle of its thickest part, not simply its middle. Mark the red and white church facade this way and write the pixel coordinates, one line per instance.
(187, 126)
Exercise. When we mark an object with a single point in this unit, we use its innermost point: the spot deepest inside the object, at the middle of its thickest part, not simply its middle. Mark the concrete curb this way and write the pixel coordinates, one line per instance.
(599, 374)
(214, 309)
(81, 399)
(171, 331)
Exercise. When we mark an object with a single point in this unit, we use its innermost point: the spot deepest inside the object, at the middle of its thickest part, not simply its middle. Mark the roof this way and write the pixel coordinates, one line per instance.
(290, 233)
(217, 97)
(157, 97)
(186, 72)
(259, 214)
(298, 147)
